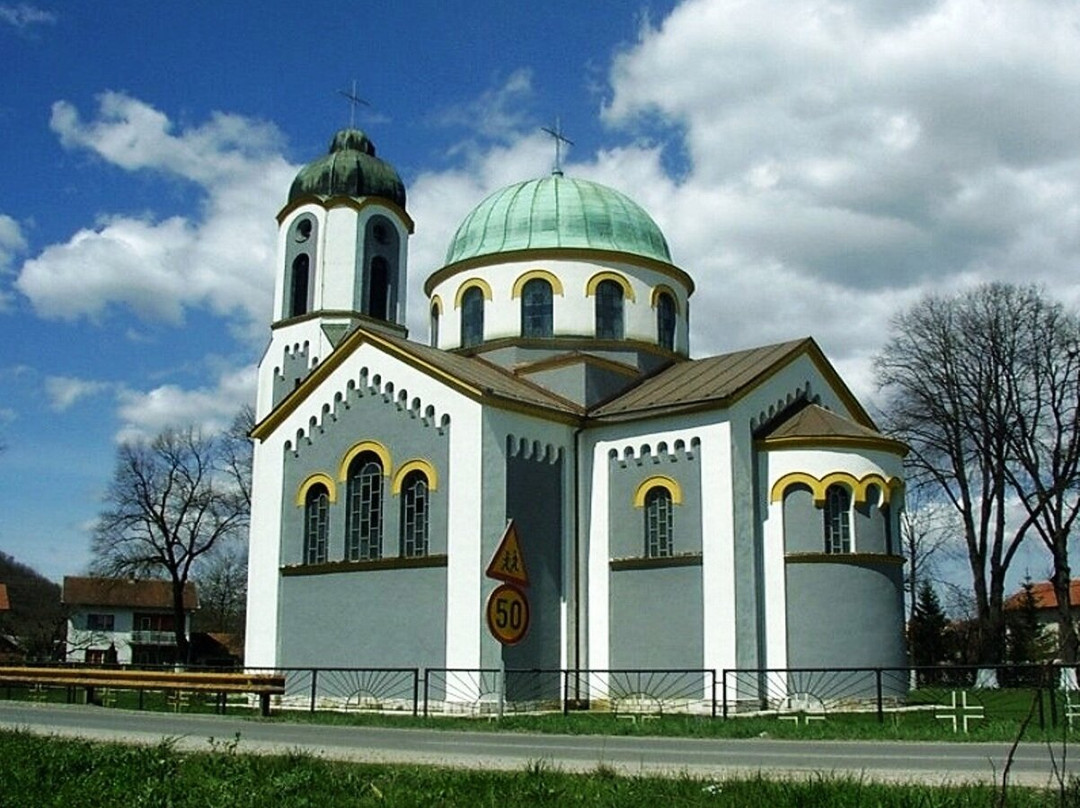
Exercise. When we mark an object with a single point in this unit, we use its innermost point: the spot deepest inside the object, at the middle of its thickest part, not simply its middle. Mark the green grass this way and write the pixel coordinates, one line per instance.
(38, 772)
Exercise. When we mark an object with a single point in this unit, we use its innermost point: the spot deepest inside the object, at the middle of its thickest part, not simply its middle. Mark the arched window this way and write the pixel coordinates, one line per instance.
(536, 310)
(434, 326)
(363, 508)
(316, 517)
(414, 514)
(379, 289)
(665, 321)
(658, 523)
(837, 519)
(609, 310)
(298, 286)
(472, 317)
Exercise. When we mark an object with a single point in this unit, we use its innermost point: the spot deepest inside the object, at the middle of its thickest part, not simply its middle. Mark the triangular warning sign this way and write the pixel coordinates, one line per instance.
(508, 563)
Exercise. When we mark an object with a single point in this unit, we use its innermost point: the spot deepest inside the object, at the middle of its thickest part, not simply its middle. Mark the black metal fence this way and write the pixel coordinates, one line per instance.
(958, 698)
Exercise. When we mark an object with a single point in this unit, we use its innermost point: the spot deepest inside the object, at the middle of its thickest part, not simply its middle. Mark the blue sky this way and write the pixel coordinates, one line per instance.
(815, 165)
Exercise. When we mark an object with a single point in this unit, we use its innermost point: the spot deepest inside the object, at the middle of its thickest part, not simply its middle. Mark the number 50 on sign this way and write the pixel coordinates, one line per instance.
(508, 614)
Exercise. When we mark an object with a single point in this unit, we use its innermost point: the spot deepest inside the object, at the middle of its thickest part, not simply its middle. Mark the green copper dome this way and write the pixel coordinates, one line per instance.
(350, 168)
(554, 212)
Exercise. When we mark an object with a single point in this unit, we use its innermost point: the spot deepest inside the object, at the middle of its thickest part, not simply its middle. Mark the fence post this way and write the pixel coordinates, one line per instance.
(426, 672)
(314, 687)
(566, 692)
(880, 705)
(714, 692)
(415, 692)
(723, 684)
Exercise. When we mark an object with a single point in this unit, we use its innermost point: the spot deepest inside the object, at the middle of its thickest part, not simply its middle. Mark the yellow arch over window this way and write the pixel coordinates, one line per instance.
(600, 277)
(416, 464)
(658, 481)
(533, 274)
(318, 478)
(436, 304)
(364, 446)
(480, 283)
(664, 289)
(860, 487)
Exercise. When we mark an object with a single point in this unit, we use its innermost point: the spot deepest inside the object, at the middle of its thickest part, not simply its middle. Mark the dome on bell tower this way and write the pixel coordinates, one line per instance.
(349, 168)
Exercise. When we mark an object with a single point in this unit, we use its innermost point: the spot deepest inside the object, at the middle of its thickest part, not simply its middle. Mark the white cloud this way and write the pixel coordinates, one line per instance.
(12, 243)
(65, 391)
(845, 156)
(221, 259)
(146, 413)
(24, 15)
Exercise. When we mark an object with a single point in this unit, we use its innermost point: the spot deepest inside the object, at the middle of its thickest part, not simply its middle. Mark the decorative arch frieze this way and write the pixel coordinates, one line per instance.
(658, 481)
(318, 478)
(859, 486)
(659, 452)
(479, 283)
(600, 277)
(532, 274)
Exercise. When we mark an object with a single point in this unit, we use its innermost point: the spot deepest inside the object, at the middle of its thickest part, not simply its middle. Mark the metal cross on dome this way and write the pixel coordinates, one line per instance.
(560, 139)
(354, 101)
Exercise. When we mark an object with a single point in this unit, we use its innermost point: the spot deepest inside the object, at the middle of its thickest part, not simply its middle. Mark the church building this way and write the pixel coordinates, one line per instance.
(732, 511)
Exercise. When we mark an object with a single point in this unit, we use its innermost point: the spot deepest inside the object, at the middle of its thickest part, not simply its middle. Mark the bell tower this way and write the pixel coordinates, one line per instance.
(342, 255)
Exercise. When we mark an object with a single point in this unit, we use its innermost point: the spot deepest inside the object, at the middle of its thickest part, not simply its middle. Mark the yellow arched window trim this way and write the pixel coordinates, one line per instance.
(658, 481)
(436, 304)
(319, 478)
(600, 277)
(533, 274)
(664, 289)
(479, 283)
(364, 446)
(860, 487)
(417, 464)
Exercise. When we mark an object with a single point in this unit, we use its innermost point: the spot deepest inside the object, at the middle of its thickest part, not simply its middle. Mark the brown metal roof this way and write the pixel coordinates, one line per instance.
(5, 604)
(814, 421)
(124, 593)
(488, 378)
(711, 380)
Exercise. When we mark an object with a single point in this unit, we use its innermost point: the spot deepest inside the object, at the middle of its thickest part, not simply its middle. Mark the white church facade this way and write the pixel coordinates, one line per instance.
(733, 511)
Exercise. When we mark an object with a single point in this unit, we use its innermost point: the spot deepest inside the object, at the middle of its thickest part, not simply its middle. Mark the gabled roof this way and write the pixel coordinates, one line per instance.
(5, 604)
(124, 593)
(1045, 597)
(720, 381)
(470, 375)
(813, 424)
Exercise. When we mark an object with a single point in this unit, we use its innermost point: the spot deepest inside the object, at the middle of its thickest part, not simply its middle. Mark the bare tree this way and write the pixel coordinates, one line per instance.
(170, 501)
(222, 581)
(1045, 443)
(942, 371)
(928, 533)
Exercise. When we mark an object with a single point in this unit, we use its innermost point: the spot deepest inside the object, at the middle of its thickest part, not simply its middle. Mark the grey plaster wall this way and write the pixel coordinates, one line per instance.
(871, 529)
(296, 245)
(534, 500)
(366, 414)
(372, 618)
(583, 383)
(845, 614)
(365, 616)
(293, 369)
(656, 618)
(803, 525)
(627, 523)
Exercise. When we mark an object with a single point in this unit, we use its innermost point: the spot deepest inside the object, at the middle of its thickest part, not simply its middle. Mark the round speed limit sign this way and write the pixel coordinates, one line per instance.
(508, 614)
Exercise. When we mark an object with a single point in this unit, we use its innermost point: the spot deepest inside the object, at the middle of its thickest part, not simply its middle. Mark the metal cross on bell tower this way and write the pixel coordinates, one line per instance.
(559, 139)
(354, 102)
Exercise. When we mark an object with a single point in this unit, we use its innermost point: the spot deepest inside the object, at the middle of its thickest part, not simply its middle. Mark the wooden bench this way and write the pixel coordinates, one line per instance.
(264, 685)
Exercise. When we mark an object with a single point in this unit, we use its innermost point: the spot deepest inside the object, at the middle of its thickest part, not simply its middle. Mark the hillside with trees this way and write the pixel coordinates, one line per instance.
(36, 616)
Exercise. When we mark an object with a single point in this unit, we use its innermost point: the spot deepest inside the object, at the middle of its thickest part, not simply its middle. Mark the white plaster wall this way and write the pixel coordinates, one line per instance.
(264, 551)
(337, 269)
(718, 545)
(573, 312)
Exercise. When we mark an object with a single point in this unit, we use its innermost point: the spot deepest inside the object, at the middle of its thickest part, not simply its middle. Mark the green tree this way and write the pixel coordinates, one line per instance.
(928, 629)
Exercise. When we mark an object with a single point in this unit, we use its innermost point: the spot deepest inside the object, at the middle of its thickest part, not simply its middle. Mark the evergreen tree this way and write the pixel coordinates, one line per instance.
(1026, 640)
(927, 640)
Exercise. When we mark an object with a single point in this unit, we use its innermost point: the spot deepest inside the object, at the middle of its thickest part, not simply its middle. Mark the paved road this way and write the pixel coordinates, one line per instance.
(927, 762)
